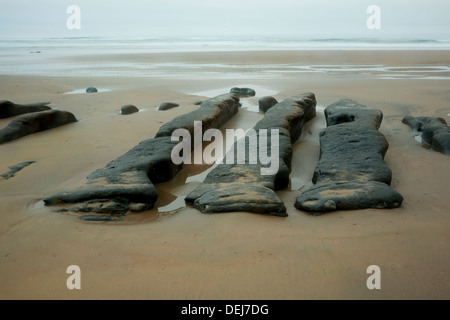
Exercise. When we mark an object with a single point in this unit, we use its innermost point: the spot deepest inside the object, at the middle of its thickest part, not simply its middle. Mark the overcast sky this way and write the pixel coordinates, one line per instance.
(293, 18)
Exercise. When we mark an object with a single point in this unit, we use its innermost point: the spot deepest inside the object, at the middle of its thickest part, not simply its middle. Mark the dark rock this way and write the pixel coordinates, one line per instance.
(197, 103)
(243, 92)
(94, 217)
(167, 105)
(128, 109)
(10, 109)
(351, 173)
(265, 103)
(243, 187)
(213, 113)
(348, 195)
(132, 175)
(16, 168)
(35, 122)
(91, 90)
(435, 132)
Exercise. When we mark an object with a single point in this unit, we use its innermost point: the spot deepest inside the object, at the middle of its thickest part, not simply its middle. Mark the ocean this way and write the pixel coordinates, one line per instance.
(51, 56)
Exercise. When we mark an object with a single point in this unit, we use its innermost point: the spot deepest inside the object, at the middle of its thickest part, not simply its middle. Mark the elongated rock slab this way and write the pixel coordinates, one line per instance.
(351, 173)
(131, 176)
(10, 109)
(233, 186)
(35, 122)
(434, 131)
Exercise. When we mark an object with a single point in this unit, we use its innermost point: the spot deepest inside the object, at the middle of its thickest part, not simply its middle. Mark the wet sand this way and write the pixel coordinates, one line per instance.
(176, 252)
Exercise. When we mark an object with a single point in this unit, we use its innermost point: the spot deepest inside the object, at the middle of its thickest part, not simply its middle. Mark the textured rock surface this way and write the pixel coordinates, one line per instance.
(35, 122)
(434, 131)
(265, 103)
(351, 173)
(242, 187)
(132, 175)
(128, 109)
(10, 109)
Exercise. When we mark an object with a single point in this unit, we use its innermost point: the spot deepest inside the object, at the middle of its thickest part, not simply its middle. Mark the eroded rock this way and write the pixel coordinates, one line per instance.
(35, 122)
(243, 187)
(351, 173)
(132, 175)
(16, 168)
(434, 131)
(10, 109)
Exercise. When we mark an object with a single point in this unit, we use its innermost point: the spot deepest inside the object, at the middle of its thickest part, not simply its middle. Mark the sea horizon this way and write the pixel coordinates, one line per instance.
(235, 43)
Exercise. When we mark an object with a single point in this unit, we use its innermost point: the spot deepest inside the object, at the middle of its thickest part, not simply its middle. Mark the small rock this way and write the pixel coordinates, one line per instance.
(265, 103)
(167, 105)
(128, 109)
(197, 103)
(91, 90)
(243, 92)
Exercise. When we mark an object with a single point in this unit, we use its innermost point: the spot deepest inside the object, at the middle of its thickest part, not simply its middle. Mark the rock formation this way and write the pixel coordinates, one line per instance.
(91, 90)
(434, 131)
(35, 122)
(351, 173)
(131, 176)
(242, 187)
(16, 168)
(10, 109)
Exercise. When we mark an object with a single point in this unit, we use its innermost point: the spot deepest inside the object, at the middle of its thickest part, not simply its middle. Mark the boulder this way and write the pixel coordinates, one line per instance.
(434, 131)
(128, 109)
(351, 173)
(243, 92)
(132, 175)
(35, 122)
(167, 105)
(242, 186)
(91, 90)
(10, 109)
(265, 103)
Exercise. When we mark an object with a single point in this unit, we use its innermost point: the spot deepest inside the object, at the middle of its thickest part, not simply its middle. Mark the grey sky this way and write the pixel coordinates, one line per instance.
(294, 18)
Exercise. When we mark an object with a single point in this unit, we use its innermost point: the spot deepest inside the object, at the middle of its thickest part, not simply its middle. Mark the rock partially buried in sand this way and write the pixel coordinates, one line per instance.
(10, 109)
(434, 131)
(91, 90)
(351, 173)
(128, 109)
(167, 106)
(243, 92)
(131, 176)
(35, 122)
(242, 187)
(265, 103)
(16, 168)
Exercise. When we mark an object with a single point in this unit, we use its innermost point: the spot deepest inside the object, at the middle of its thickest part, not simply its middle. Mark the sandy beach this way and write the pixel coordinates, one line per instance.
(174, 251)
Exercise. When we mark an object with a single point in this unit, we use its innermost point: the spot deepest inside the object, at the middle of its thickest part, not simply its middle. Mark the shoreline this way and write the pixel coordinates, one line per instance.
(183, 254)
